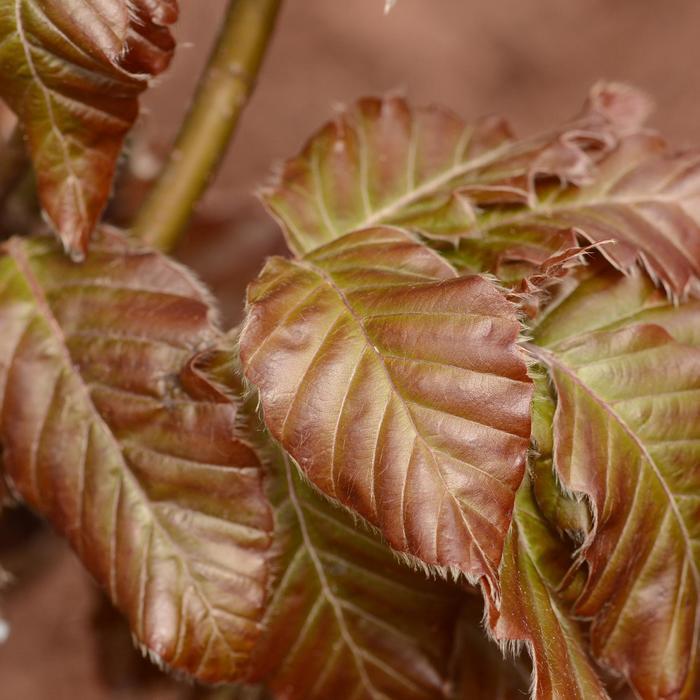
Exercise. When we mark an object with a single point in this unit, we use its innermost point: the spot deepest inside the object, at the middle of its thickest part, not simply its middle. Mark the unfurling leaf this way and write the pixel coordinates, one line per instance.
(383, 163)
(644, 198)
(531, 610)
(626, 367)
(346, 618)
(398, 388)
(537, 588)
(106, 433)
(72, 71)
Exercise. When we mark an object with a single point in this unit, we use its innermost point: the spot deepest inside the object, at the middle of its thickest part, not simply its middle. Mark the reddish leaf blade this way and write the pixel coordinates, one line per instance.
(644, 197)
(106, 436)
(382, 162)
(398, 388)
(346, 618)
(627, 427)
(72, 72)
(535, 563)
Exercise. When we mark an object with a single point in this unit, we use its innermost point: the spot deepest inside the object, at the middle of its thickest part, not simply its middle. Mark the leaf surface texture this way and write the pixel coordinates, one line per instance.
(626, 367)
(106, 435)
(72, 71)
(398, 388)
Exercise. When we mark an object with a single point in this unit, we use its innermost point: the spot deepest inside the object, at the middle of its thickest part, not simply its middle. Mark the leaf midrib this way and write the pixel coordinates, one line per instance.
(328, 281)
(68, 164)
(552, 360)
(17, 253)
(325, 586)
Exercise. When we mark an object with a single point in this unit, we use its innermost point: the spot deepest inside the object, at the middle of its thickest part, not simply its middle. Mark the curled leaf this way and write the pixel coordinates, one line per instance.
(626, 367)
(381, 162)
(398, 388)
(107, 435)
(531, 610)
(72, 72)
(645, 200)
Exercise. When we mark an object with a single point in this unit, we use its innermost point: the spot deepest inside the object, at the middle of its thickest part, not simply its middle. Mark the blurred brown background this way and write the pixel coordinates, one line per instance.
(532, 60)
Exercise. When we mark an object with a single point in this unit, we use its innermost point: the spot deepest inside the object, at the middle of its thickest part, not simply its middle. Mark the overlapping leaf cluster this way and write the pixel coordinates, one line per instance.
(479, 369)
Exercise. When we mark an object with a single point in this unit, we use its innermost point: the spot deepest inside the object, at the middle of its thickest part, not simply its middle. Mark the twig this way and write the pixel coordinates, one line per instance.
(224, 90)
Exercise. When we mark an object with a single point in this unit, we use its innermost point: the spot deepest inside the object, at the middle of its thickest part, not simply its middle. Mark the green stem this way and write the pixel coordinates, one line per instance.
(224, 90)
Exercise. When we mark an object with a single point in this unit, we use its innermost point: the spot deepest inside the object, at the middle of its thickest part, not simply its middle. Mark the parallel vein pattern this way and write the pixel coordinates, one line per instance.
(382, 162)
(398, 388)
(346, 619)
(105, 434)
(72, 72)
(644, 197)
(628, 436)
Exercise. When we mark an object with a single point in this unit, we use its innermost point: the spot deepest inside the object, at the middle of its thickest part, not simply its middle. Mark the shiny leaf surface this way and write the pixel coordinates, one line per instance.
(107, 434)
(346, 617)
(532, 610)
(398, 388)
(72, 71)
(382, 162)
(626, 368)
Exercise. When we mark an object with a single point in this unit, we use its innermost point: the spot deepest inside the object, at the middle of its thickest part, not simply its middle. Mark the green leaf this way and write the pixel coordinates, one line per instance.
(533, 610)
(346, 617)
(108, 434)
(398, 388)
(72, 71)
(626, 368)
(383, 163)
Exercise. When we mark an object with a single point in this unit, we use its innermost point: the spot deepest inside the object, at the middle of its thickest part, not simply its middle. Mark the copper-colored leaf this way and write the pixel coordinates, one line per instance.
(106, 434)
(644, 197)
(535, 563)
(398, 388)
(383, 163)
(346, 618)
(72, 71)
(626, 367)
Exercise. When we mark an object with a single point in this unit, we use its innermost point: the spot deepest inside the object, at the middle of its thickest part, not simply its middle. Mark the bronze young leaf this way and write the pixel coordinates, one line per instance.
(103, 435)
(535, 563)
(345, 617)
(645, 199)
(399, 389)
(382, 162)
(72, 72)
(628, 386)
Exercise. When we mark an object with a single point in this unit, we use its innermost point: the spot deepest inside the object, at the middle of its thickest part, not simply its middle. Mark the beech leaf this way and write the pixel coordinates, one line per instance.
(72, 71)
(626, 367)
(346, 618)
(381, 162)
(107, 434)
(644, 198)
(535, 563)
(398, 388)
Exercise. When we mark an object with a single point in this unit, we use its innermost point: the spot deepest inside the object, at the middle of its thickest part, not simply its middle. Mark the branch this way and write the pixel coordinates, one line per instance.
(227, 84)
